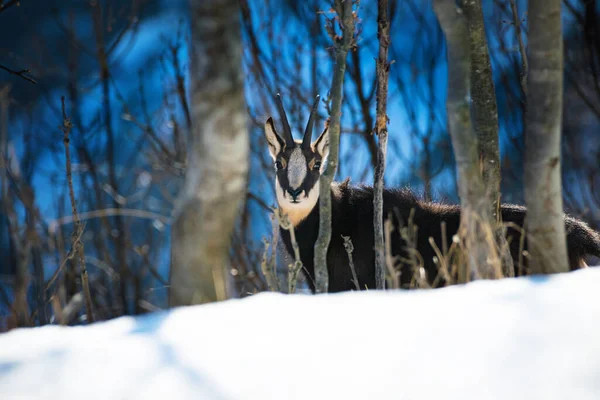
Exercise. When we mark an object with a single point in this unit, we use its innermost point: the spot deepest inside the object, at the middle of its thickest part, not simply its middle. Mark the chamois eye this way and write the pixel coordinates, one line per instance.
(278, 165)
(317, 165)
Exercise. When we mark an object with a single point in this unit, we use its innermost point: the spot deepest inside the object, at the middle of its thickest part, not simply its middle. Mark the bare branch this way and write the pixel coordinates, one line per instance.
(108, 212)
(77, 243)
(22, 246)
(349, 249)
(522, 49)
(10, 3)
(383, 68)
(268, 263)
(342, 45)
(294, 269)
(20, 73)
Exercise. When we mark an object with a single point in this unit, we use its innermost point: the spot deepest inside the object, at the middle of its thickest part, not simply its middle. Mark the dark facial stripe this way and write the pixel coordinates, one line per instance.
(298, 173)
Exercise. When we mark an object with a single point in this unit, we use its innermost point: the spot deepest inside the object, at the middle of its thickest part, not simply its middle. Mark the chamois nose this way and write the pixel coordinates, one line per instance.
(294, 193)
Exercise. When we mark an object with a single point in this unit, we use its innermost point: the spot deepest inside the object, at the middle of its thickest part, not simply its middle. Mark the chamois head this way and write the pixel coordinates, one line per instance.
(298, 165)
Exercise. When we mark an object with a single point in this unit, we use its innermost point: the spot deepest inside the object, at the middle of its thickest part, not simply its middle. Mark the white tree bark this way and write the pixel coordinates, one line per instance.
(543, 187)
(485, 119)
(475, 226)
(216, 175)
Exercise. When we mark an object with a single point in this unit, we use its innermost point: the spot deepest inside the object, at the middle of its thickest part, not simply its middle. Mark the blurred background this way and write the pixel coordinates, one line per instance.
(122, 67)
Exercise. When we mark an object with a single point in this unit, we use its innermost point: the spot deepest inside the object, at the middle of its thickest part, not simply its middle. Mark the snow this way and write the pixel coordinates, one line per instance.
(524, 338)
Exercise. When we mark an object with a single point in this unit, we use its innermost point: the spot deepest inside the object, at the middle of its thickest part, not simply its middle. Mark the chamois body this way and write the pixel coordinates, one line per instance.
(352, 215)
(298, 167)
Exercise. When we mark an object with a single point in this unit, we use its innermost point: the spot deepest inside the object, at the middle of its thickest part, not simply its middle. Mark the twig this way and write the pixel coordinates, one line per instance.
(103, 54)
(264, 265)
(349, 249)
(112, 274)
(443, 257)
(522, 50)
(5, 6)
(107, 212)
(394, 275)
(75, 242)
(444, 238)
(22, 246)
(409, 234)
(181, 92)
(20, 73)
(272, 265)
(439, 258)
(77, 245)
(294, 268)
(523, 235)
(268, 263)
(259, 201)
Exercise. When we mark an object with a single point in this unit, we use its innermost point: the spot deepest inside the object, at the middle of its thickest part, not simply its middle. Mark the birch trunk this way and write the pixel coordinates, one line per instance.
(475, 228)
(383, 67)
(485, 120)
(342, 46)
(216, 174)
(543, 192)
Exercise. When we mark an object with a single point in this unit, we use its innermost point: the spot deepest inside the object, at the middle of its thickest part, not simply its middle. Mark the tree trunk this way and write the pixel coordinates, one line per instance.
(103, 56)
(475, 228)
(342, 46)
(215, 181)
(383, 67)
(543, 194)
(485, 119)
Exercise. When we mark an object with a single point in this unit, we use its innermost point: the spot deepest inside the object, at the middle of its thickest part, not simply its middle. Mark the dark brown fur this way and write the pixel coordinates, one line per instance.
(352, 208)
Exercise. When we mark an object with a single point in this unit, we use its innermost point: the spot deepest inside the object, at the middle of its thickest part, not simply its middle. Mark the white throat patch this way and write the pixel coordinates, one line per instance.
(297, 212)
(296, 169)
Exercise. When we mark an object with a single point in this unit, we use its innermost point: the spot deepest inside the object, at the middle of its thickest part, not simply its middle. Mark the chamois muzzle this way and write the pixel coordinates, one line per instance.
(295, 193)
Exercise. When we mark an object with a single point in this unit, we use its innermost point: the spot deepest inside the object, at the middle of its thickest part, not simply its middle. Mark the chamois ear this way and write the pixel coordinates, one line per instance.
(274, 141)
(321, 145)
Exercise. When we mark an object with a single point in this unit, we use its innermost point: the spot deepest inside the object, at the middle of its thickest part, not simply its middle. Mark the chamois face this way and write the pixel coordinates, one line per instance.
(298, 168)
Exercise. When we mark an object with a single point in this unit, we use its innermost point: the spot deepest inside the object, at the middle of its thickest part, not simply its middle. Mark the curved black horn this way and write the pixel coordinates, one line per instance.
(287, 131)
(311, 123)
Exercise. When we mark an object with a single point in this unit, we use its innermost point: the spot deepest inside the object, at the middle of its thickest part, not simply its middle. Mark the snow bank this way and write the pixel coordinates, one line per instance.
(526, 338)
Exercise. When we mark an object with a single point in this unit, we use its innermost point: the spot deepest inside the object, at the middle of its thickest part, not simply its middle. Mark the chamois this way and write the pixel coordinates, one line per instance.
(299, 165)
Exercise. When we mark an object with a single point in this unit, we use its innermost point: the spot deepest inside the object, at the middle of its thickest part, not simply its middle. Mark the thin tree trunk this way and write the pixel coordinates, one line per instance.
(485, 119)
(21, 248)
(342, 46)
(475, 225)
(383, 67)
(76, 237)
(522, 50)
(111, 149)
(216, 175)
(543, 192)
